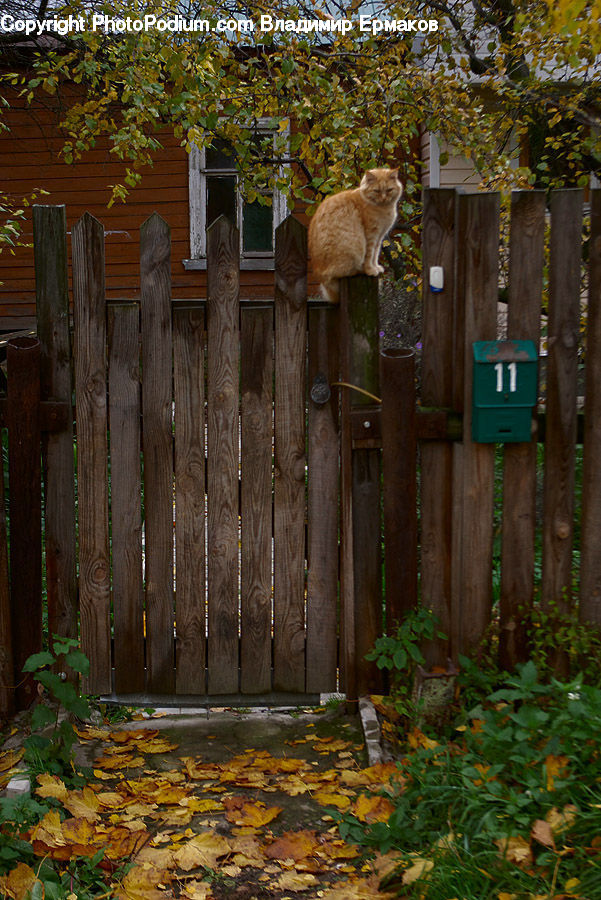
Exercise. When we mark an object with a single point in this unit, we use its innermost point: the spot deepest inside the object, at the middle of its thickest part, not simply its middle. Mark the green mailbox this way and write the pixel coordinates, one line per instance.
(504, 390)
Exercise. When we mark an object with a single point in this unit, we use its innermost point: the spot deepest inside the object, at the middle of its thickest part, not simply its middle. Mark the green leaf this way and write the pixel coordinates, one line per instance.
(41, 717)
(37, 660)
(78, 661)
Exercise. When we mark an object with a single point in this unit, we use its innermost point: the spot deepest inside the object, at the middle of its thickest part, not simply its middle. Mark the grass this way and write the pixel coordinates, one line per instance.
(506, 803)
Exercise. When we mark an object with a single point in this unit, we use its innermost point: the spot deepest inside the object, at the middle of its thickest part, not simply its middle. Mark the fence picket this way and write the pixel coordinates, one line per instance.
(52, 310)
(322, 512)
(155, 304)
(477, 248)
(25, 509)
(190, 602)
(126, 497)
(89, 313)
(436, 391)
(562, 372)
(526, 255)
(289, 500)
(223, 356)
(590, 573)
(256, 499)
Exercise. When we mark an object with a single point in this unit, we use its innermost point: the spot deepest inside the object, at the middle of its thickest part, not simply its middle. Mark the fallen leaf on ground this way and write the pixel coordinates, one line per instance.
(419, 868)
(240, 811)
(516, 850)
(543, 833)
(18, 883)
(372, 808)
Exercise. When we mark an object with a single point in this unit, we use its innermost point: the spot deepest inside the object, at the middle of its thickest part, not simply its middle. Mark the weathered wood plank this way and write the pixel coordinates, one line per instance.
(399, 473)
(437, 391)
(223, 355)
(52, 309)
(25, 494)
(7, 674)
(590, 561)
(190, 600)
(257, 510)
(89, 315)
(126, 497)
(526, 256)
(562, 372)
(322, 518)
(289, 502)
(477, 259)
(155, 296)
(362, 588)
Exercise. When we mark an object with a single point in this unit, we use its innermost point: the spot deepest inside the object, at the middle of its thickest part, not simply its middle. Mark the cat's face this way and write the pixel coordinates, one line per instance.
(382, 186)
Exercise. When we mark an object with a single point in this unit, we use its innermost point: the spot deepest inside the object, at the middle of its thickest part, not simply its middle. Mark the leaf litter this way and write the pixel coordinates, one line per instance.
(210, 830)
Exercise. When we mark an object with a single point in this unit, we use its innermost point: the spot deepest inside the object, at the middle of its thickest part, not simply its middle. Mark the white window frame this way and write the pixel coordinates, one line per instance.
(197, 172)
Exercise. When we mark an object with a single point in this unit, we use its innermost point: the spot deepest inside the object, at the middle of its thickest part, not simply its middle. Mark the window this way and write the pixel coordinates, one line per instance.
(213, 191)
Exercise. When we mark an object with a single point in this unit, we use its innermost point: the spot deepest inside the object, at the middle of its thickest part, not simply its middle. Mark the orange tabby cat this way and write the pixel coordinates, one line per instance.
(346, 232)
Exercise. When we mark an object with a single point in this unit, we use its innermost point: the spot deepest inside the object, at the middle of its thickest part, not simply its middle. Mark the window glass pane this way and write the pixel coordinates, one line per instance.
(257, 227)
(220, 155)
(221, 198)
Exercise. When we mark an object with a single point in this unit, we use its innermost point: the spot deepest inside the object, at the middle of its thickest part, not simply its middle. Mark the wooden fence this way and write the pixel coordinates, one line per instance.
(229, 511)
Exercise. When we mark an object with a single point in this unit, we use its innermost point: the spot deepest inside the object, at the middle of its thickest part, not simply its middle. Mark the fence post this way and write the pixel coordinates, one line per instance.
(526, 255)
(399, 476)
(477, 288)
(436, 391)
(52, 308)
(7, 675)
(590, 572)
(561, 424)
(361, 530)
(89, 312)
(23, 362)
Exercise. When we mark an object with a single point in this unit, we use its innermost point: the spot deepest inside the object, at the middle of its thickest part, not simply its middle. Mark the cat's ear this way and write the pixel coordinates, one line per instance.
(369, 177)
(395, 172)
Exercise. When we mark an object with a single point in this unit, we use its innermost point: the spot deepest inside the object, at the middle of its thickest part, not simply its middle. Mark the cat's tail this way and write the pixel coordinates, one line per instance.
(330, 290)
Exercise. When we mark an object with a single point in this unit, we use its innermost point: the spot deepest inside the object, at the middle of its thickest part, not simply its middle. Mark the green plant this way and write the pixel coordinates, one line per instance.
(526, 755)
(52, 753)
(400, 654)
(554, 631)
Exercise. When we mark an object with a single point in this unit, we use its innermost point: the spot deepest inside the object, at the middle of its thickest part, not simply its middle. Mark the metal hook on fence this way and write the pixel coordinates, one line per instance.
(321, 393)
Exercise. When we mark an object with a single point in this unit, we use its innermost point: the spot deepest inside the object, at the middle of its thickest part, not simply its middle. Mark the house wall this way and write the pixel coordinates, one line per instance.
(29, 159)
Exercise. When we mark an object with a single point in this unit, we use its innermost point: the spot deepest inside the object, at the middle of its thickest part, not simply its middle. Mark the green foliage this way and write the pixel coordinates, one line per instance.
(555, 630)
(400, 654)
(52, 753)
(16, 817)
(528, 752)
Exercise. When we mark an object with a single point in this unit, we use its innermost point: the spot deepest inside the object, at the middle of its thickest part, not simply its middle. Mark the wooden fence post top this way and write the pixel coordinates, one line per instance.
(291, 257)
(87, 219)
(220, 226)
(156, 220)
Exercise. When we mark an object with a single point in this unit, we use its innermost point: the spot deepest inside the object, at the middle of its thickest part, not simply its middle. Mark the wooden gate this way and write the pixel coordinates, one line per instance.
(207, 491)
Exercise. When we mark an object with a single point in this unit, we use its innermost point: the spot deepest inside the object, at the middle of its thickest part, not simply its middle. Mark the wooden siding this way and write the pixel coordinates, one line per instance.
(29, 159)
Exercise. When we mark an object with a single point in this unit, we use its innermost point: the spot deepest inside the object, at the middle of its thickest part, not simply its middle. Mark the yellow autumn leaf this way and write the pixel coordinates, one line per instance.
(203, 850)
(555, 766)
(296, 881)
(543, 833)
(417, 739)
(419, 868)
(51, 786)
(559, 820)
(372, 808)
(140, 883)
(329, 798)
(361, 889)
(516, 850)
(243, 812)
(10, 758)
(18, 883)
(572, 883)
(292, 845)
(197, 890)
